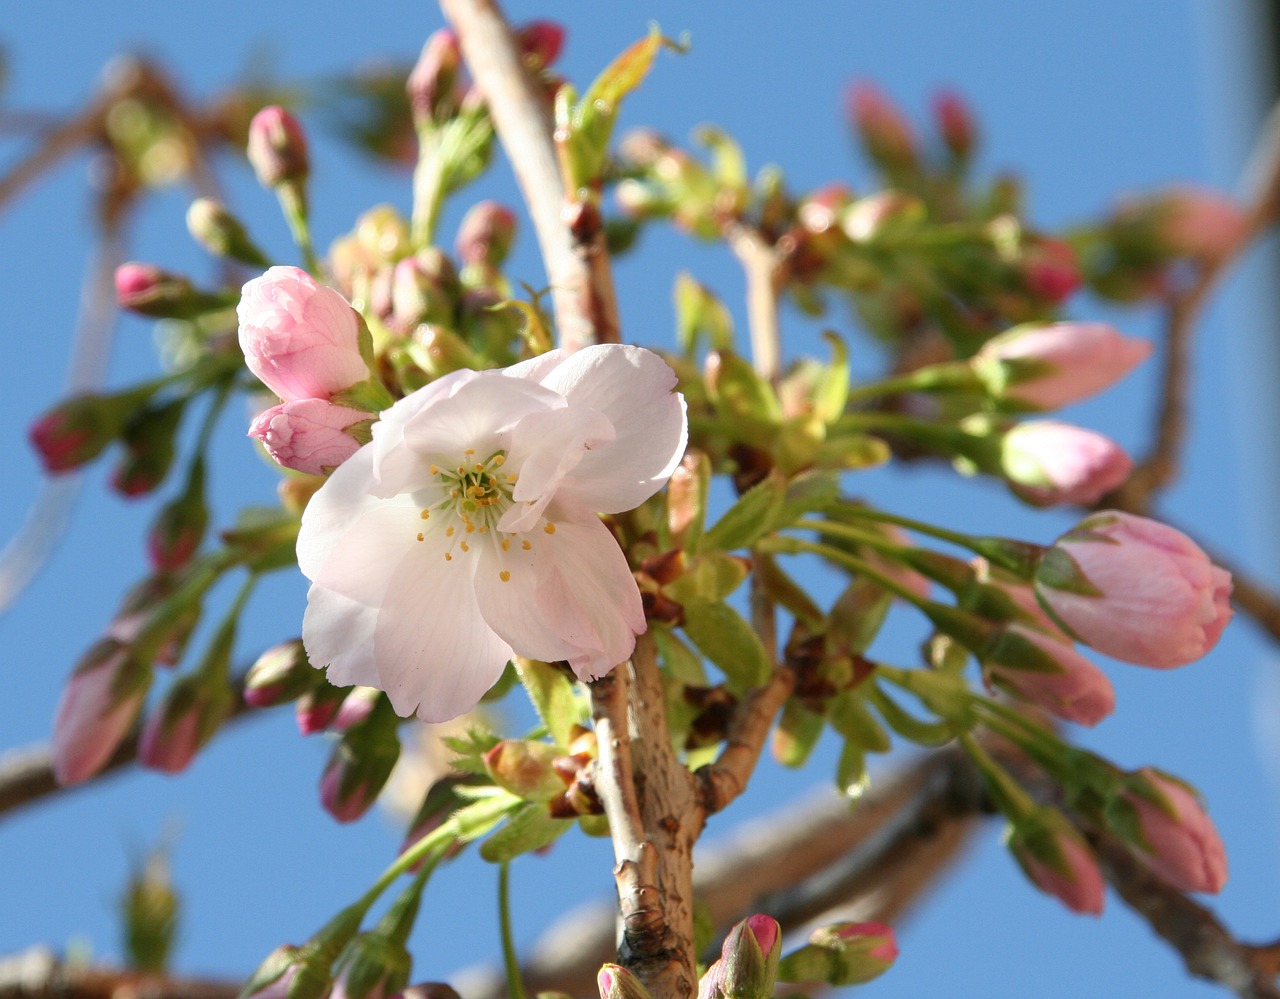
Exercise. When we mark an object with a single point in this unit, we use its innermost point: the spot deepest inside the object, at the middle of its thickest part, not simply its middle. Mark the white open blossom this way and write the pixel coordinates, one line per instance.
(466, 531)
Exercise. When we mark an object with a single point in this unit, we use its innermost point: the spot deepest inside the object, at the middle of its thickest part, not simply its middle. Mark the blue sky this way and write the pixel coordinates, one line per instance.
(1087, 100)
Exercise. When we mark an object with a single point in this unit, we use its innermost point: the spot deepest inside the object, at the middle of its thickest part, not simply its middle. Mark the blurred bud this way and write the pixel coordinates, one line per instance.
(1075, 690)
(318, 707)
(277, 147)
(955, 124)
(360, 764)
(1197, 222)
(880, 214)
(525, 768)
(355, 708)
(221, 233)
(1053, 365)
(616, 982)
(1058, 861)
(149, 449)
(78, 429)
(433, 83)
(97, 709)
(1177, 838)
(1048, 463)
(376, 968)
(1135, 589)
(274, 977)
(282, 673)
(486, 234)
(442, 350)
(179, 527)
(193, 709)
(1050, 269)
(424, 289)
(888, 136)
(842, 954)
(150, 291)
(540, 43)
(309, 435)
(150, 907)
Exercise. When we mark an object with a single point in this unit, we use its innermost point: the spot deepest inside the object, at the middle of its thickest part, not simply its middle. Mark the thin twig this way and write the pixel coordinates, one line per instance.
(58, 143)
(726, 778)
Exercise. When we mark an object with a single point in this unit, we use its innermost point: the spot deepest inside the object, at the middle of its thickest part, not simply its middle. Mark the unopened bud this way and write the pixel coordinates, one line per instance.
(616, 982)
(78, 429)
(882, 213)
(277, 147)
(193, 709)
(150, 291)
(222, 234)
(1057, 860)
(749, 959)
(1050, 269)
(955, 124)
(889, 137)
(525, 768)
(842, 954)
(485, 234)
(383, 234)
(317, 707)
(376, 968)
(98, 707)
(433, 84)
(179, 527)
(360, 765)
(540, 43)
(149, 910)
(280, 674)
(424, 289)
(149, 449)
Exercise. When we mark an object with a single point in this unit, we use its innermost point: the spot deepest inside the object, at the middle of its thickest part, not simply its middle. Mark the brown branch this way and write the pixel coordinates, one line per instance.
(1207, 948)
(56, 144)
(522, 120)
(726, 778)
(38, 974)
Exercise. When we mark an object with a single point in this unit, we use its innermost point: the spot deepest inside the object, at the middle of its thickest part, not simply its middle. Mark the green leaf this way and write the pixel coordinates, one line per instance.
(728, 165)
(470, 749)
(849, 716)
(831, 392)
(752, 517)
(528, 828)
(711, 576)
(681, 662)
(797, 733)
(727, 640)
(923, 733)
(553, 696)
(699, 314)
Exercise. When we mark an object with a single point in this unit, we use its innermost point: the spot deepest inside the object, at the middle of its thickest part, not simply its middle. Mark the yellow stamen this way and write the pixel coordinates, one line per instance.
(469, 450)
(448, 531)
(425, 515)
(448, 557)
(506, 544)
(470, 527)
(420, 535)
(550, 528)
(526, 546)
(499, 460)
(504, 576)
(465, 547)
(435, 470)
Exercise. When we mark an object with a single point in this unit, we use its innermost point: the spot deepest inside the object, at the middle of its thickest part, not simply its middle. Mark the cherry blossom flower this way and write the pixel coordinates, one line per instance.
(466, 533)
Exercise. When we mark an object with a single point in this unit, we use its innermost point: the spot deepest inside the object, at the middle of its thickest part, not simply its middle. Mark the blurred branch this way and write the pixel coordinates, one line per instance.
(26, 774)
(38, 974)
(1262, 201)
(57, 143)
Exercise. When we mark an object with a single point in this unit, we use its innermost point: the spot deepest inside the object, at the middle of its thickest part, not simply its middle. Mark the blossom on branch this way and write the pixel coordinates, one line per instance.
(466, 531)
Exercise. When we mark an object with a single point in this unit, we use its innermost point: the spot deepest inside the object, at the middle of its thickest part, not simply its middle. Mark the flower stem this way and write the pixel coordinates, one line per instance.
(510, 961)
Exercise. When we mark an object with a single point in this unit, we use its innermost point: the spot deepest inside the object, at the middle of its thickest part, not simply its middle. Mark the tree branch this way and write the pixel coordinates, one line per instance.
(38, 974)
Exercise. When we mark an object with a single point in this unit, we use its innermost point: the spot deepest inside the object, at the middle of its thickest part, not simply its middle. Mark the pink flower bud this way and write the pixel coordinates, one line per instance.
(150, 291)
(1078, 691)
(876, 940)
(186, 719)
(318, 707)
(540, 42)
(299, 337)
(360, 764)
(1050, 270)
(78, 429)
(890, 139)
(277, 147)
(98, 707)
(955, 123)
(1044, 367)
(485, 234)
(1136, 590)
(433, 84)
(308, 435)
(179, 528)
(766, 931)
(1179, 840)
(282, 673)
(1049, 463)
(1061, 864)
(1197, 222)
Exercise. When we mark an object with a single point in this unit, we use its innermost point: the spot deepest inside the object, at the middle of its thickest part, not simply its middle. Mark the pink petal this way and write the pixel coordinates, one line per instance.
(545, 448)
(338, 635)
(477, 415)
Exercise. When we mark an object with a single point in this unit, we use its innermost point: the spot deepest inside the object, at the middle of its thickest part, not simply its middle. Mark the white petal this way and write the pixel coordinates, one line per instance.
(511, 606)
(477, 415)
(537, 368)
(360, 559)
(545, 447)
(338, 635)
(434, 651)
(343, 499)
(396, 468)
(633, 388)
